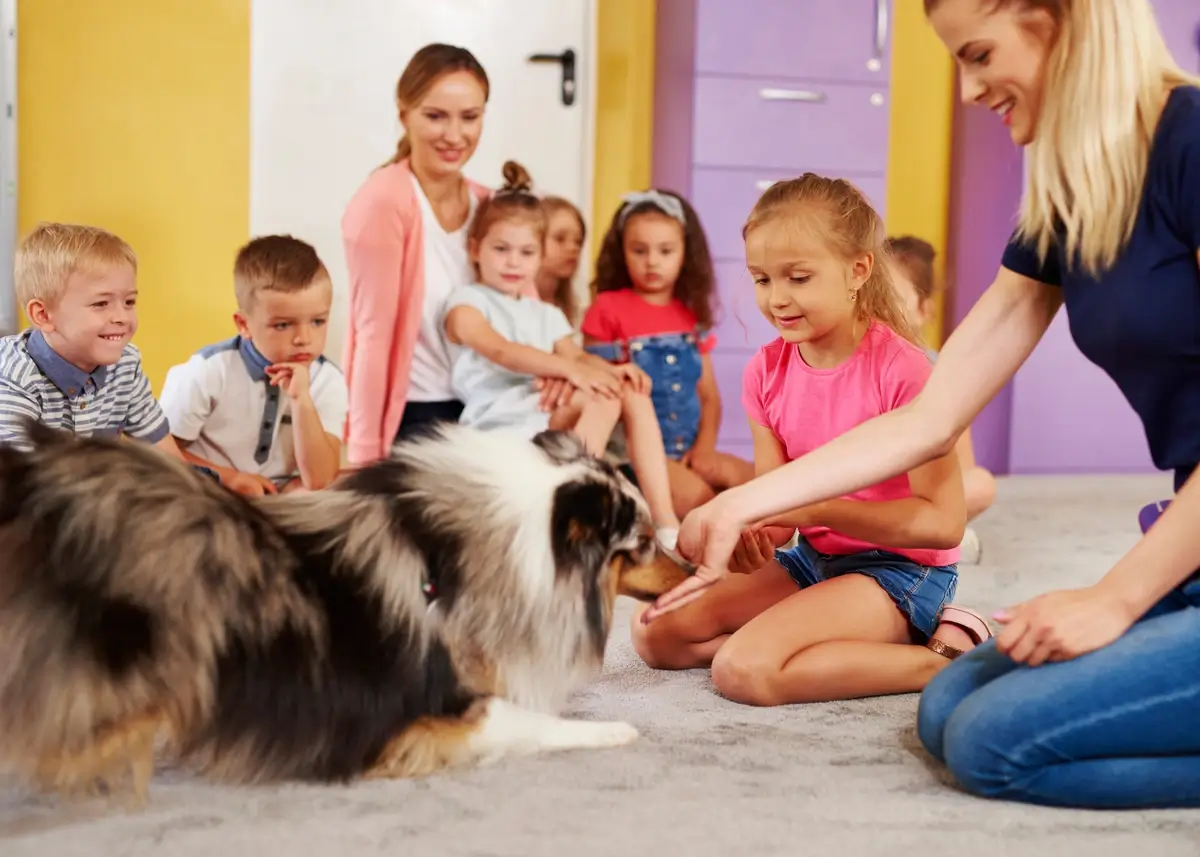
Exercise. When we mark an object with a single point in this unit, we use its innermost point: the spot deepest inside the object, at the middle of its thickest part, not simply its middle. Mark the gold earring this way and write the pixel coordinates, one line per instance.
(853, 295)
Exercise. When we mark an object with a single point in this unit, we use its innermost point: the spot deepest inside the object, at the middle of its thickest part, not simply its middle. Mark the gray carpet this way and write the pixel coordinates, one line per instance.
(707, 778)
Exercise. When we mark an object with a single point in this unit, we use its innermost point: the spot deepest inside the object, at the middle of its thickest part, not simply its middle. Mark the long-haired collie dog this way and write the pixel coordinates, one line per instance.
(431, 610)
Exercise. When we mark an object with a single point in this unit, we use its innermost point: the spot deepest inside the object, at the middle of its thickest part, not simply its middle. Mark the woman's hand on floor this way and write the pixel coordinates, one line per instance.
(1059, 626)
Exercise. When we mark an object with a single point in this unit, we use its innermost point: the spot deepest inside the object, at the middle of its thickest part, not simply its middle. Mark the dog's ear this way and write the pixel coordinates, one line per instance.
(588, 515)
(560, 447)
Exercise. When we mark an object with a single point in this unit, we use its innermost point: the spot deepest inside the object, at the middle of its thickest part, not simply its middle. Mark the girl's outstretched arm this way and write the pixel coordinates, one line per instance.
(933, 518)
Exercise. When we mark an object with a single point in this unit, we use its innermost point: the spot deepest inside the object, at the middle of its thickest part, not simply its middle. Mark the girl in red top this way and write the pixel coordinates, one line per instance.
(653, 307)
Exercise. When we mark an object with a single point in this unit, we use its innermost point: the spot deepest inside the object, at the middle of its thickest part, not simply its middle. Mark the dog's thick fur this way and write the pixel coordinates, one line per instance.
(430, 610)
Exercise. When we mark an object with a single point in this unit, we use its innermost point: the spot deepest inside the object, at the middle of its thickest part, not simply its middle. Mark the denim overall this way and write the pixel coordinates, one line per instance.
(672, 360)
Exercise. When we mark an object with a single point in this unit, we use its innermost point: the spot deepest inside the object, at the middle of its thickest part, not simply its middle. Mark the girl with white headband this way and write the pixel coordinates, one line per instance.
(653, 307)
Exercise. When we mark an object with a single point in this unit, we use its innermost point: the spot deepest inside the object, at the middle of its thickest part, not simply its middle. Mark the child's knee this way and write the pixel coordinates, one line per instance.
(980, 489)
(659, 644)
(742, 675)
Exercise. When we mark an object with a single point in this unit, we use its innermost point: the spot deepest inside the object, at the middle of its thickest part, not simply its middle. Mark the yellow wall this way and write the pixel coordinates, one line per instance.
(624, 105)
(918, 171)
(134, 115)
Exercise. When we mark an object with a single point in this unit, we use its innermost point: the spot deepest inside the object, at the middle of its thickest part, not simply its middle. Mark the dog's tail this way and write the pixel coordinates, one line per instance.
(101, 640)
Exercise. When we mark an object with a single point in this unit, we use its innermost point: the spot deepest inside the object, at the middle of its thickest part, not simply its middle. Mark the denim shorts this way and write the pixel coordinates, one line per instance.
(919, 591)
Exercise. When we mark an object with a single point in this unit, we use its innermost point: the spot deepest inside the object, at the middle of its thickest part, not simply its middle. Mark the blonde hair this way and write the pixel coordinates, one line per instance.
(277, 263)
(53, 252)
(564, 292)
(843, 219)
(1107, 77)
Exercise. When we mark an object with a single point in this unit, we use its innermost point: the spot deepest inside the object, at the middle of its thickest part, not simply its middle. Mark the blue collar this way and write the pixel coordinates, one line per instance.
(70, 379)
(256, 364)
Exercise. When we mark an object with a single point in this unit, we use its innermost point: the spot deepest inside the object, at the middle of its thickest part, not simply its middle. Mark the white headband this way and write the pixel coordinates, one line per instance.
(665, 203)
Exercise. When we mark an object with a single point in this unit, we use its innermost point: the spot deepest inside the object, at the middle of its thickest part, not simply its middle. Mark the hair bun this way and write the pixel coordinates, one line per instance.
(516, 179)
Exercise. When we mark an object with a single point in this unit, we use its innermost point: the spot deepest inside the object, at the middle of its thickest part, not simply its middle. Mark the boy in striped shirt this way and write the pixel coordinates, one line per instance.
(74, 368)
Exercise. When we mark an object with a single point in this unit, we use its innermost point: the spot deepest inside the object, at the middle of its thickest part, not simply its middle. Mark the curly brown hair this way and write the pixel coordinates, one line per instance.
(850, 226)
(695, 287)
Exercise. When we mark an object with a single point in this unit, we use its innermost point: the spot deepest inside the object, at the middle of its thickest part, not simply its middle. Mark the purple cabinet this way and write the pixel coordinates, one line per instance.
(772, 124)
(749, 92)
(841, 40)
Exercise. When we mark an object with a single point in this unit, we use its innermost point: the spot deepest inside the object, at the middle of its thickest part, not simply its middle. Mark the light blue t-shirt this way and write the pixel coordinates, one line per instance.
(492, 396)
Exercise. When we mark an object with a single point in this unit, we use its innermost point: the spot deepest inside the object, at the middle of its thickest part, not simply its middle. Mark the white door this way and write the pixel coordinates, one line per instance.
(322, 89)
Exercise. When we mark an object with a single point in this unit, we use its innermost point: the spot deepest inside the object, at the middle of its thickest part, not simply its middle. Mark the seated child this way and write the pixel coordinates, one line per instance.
(861, 606)
(264, 409)
(653, 308)
(913, 276)
(500, 339)
(74, 368)
(565, 231)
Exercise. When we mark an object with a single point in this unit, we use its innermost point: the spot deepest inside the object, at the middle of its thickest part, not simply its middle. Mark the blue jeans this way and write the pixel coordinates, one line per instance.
(920, 592)
(1116, 728)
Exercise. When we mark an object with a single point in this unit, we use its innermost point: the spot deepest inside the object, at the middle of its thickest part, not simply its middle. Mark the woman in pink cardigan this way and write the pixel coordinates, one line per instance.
(405, 239)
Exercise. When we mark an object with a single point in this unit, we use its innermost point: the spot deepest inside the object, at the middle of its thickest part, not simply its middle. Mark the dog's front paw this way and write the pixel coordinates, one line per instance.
(612, 734)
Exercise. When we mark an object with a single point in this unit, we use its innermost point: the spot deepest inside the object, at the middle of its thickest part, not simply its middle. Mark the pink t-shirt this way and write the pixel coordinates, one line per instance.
(624, 314)
(805, 408)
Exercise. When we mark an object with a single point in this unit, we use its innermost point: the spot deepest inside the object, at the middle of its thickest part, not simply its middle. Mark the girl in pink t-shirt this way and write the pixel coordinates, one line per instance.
(860, 606)
(653, 308)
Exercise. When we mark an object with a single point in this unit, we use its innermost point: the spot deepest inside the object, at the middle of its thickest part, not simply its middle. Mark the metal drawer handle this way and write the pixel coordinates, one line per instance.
(791, 95)
(881, 26)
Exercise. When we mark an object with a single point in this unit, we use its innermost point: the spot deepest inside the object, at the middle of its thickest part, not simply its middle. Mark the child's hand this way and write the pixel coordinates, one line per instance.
(292, 378)
(556, 392)
(589, 378)
(633, 375)
(248, 484)
(754, 550)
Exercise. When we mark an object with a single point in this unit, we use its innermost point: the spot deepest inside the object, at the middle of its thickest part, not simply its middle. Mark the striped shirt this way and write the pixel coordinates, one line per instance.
(36, 382)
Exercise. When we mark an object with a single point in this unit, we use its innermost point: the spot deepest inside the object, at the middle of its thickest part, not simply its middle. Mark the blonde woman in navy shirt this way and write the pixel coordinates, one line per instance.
(1088, 697)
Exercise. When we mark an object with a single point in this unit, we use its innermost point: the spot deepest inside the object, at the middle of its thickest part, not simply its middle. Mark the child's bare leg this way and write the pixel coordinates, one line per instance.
(691, 636)
(589, 417)
(688, 490)
(648, 457)
(842, 638)
(725, 471)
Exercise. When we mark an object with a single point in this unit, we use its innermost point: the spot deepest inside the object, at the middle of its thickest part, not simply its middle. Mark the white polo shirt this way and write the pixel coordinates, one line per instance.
(221, 404)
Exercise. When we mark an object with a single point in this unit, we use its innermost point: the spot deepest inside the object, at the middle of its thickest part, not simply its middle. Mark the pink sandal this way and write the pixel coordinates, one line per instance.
(970, 621)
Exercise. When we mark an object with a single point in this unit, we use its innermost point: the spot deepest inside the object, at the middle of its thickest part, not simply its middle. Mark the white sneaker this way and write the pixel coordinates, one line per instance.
(970, 548)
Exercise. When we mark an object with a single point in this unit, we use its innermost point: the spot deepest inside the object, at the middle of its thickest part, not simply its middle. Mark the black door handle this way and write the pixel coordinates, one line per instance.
(567, 60)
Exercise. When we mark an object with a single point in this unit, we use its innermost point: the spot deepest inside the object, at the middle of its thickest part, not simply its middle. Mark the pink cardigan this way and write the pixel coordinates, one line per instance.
(385, 258)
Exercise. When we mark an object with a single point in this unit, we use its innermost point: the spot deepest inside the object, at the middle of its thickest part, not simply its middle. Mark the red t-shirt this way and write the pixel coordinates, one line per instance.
(624, 314)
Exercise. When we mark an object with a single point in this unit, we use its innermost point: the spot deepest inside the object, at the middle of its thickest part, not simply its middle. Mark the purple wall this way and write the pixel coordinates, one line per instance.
(985, 194)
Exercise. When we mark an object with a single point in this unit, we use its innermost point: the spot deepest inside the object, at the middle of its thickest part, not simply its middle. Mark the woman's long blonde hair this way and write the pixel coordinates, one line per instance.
(838, 213)
(1107, 77)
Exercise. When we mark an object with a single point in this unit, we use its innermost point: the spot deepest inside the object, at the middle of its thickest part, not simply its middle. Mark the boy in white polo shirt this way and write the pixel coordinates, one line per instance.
(264, 409)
